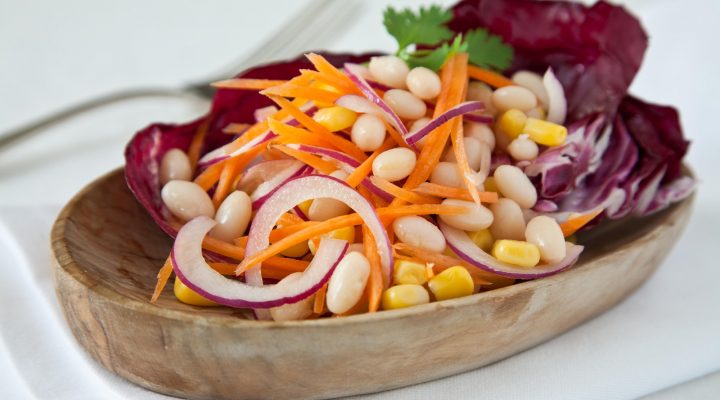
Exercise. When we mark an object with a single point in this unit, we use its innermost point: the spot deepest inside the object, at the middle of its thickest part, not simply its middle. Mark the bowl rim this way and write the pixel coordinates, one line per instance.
(64, 260)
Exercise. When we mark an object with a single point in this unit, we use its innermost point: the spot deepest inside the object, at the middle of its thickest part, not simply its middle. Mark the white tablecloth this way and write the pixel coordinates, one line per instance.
(54, 52)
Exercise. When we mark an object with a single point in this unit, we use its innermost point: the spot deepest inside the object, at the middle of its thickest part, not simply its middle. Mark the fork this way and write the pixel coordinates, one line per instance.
(307, 28)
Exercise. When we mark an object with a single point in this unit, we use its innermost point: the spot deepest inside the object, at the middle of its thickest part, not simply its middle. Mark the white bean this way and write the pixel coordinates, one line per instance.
(476, 219)
(232, 216)
(423, 83)
(389, 70)
(325, 208)
(187, 200)
(517, 97)
(473, 152)
(405, 104)
(293, 311)
(416, 126)
(447, 174)
(508, 221)
(523, 149)
(394, 164)
(175, 166)
(545, 233)
(512, 183)
(481, 132)
(480, 91)
(347, 282)
(419, 232)
(533, 82)
(368, 132)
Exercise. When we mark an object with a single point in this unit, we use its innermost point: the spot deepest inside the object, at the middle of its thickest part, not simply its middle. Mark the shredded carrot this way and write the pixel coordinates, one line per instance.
(305, 120)
(404, 194)
(340, 222)
(291, 134)
(458, 144)
(238, 253)
(331, 80)
(396, 137)
(162, 278)
(326, 167)
(229, 173)
(323, 66)
(209, 177)
(267, 272)
(197, 143)
(247, 84)
(304, 92)
(359, 308)
(364, 169)
(433, 189)
(289, 219)
(572, 225)
(490, 77)
(376, 282)
(319, 303)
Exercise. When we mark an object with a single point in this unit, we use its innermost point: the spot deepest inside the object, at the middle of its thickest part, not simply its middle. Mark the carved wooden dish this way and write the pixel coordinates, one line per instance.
(108, 250)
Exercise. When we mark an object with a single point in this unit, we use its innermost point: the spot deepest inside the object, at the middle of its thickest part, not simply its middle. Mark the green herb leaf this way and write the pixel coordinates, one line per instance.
(488, 51)
(434, 59)
(427, 27)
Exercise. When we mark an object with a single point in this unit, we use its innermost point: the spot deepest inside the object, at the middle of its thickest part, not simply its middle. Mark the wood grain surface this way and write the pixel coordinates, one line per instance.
(108, 250)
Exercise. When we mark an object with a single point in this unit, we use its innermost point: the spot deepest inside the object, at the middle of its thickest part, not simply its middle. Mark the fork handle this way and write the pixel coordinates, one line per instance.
(26, 131)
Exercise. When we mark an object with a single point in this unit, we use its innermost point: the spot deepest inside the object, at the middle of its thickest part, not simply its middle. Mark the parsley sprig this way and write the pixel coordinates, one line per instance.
(414, 31)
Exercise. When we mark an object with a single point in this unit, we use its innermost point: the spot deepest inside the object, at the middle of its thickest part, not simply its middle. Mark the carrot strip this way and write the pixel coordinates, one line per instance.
(247, 84)
(197, 143)
(458, 144)
(572, 225)
(291, 134)
(227, 177)
(238, 253)
(326, 167)
(305, 92)
(364, 169)
(340, 143)
(340, 222)
(433, 189)
(332, 80)
(396, 137)
(324, 66)
(454, 84)
(490, 77)
(209, 177)
(319, 303)
(375, 283)
(163, 276)
(404, 194)
(267, 272)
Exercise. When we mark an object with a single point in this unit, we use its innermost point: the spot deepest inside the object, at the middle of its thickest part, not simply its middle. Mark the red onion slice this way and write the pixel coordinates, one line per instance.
(311, 187)
(353, 71)
(359, 104)
(268, 187)
(192, 270)
(466, 249)
(557, 104)
(480, 119)
(262, 113)
(458, 110)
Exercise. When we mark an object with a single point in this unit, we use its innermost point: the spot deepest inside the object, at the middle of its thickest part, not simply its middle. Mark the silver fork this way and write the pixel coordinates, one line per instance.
(310, 27)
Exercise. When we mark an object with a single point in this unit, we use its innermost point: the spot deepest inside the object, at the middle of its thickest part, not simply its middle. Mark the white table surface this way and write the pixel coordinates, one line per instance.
(53, 53)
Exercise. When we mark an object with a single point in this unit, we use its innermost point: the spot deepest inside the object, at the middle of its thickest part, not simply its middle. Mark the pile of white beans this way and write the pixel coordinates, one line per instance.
(411, 90)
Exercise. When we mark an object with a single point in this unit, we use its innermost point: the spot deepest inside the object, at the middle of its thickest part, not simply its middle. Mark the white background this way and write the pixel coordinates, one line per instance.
(57, 52)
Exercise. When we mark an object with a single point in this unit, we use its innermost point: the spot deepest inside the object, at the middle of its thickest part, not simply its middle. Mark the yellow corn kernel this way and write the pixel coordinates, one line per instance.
(335, 118)
(402, 296)
(489, 185)
(347, 234)
(326, 87)
(516, 252)
(545, 133)
(189, 296)
(299, 249)
(512, 122)
(409, 272)
(482, 239)
(305, 207)
(451, 283)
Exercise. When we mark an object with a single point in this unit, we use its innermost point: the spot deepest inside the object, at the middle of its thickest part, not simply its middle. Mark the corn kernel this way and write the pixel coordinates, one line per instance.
(335, 118)
(402, 296)
(188, 296)
(409, 272)
(512, 122)
(489, 184)
(451, 283)
(347, 233)
(305, 207)
(482, 239)
(296, 251)
(516, 252)
(545, 133)
(326, 87)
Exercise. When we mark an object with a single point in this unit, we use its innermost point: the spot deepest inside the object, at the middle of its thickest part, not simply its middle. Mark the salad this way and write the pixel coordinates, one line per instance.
(339, 184)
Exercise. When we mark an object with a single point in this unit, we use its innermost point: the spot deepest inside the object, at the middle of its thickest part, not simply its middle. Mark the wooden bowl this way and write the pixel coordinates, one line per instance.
(108, 250)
